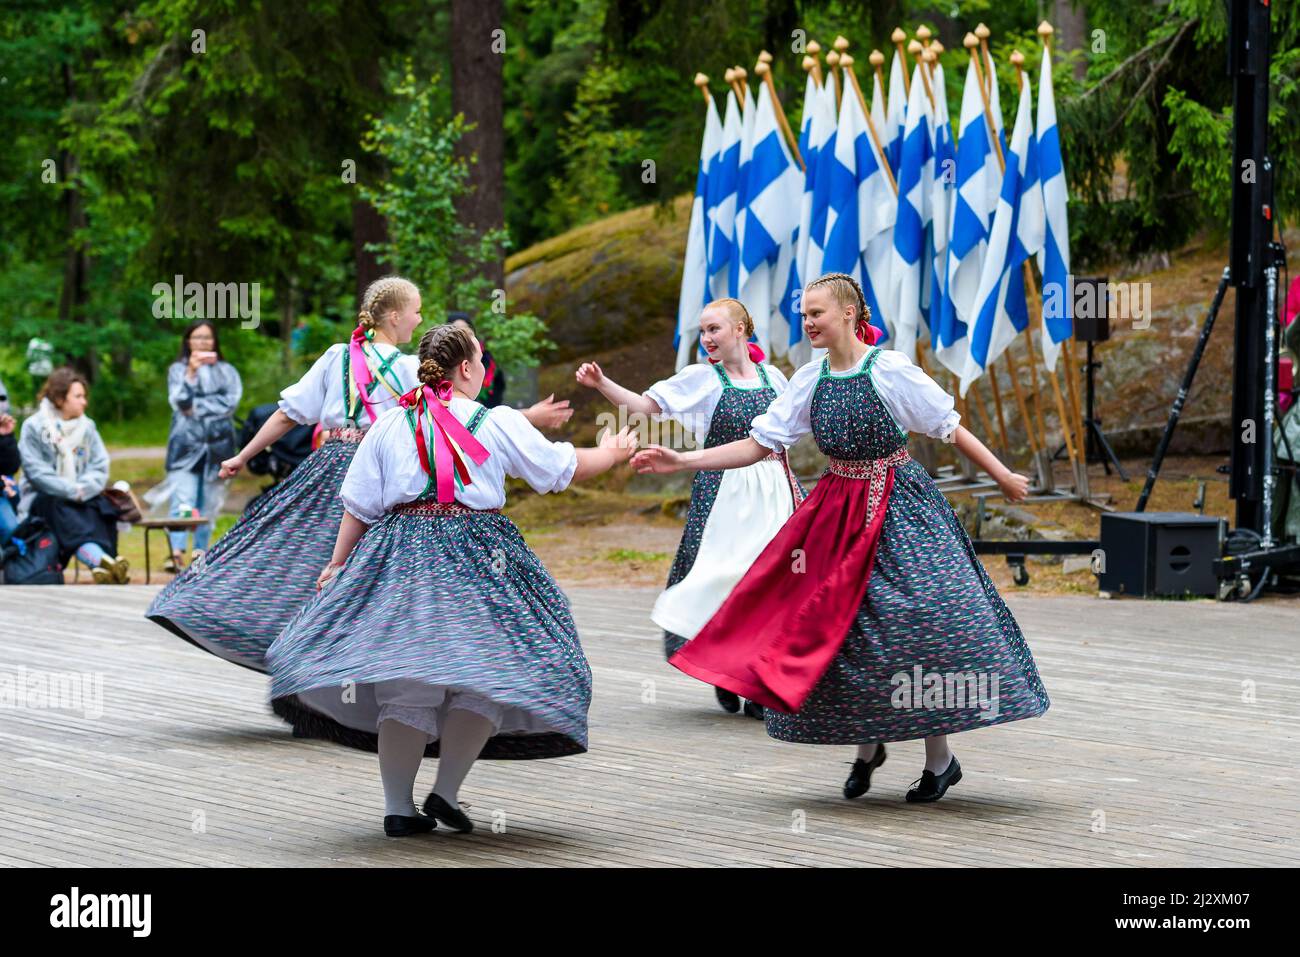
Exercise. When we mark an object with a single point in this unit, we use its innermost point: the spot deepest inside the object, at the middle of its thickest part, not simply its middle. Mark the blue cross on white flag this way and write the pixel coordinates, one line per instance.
(941, 196)
(973, 204)
(915, 185)
(812, 138)
(1001, 312)
(720, 201)
(895, 113)
(695, 269)
(772, 185)
(819, 157)
(862, 208)
(1054, 257)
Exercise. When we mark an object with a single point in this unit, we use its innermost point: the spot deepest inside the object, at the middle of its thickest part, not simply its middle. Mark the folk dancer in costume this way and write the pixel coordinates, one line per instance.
(732, 514)
(437, 630)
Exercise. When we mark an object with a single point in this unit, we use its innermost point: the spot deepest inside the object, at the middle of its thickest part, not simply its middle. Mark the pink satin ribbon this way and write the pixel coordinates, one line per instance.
(360, 369)
(755, 354)
(447, 428)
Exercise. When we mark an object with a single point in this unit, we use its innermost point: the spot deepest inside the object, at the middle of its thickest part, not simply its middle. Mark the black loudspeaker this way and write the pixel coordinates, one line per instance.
(1091, 308)
(1160, 553)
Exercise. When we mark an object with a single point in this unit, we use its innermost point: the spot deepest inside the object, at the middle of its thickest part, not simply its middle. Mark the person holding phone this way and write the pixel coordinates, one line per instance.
(203, 391)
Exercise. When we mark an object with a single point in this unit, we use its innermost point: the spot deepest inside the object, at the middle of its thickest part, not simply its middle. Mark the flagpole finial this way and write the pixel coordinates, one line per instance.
(914, 47)
(741, 73)
(923, 33)
(970, 41)
(761, 68)
(808, 63)
(982, 31)
(729, 76)
(841, 43)
(937, 47)
(833, 59)
(702, 82)
(1017, 58)
(764, 56)
(1045, 30)
(898, 36)
(877, 58)
(847, 61)
(928, 56)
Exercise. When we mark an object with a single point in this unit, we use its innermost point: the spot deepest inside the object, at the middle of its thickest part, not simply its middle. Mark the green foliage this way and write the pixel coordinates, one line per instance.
(426, 240)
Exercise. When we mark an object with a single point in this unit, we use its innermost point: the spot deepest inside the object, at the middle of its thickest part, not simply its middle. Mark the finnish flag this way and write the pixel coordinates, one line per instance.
(1054, 257)
(1001, 312)
(695, 270)
(909, 267)
(895, 113)
(720, 202)
(974, 202)
(862, 209)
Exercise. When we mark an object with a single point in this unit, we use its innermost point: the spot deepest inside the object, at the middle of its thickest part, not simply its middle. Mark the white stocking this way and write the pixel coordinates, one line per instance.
(401, 748)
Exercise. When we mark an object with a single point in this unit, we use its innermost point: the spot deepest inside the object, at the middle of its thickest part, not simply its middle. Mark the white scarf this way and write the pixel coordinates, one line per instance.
(66, 435)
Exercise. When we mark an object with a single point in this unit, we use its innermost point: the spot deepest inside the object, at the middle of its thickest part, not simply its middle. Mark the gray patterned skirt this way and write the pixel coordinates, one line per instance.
(437, 603)
(250, 584)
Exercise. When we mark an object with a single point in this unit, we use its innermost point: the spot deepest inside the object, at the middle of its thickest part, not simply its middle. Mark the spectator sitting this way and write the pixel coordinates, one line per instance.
(64, 461)
(9, 464)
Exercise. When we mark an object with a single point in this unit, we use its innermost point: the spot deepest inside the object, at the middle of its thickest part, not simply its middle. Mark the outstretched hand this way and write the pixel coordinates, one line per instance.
(624, 441)
(549, 414)
(231, 467)
(1014, 486)
(658, 460)
(589, 374)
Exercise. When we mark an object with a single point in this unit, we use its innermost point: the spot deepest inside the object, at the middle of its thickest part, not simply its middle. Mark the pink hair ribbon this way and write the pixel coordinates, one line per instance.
(361, 374)
(451, 439)
(756, 354)
(867, 332)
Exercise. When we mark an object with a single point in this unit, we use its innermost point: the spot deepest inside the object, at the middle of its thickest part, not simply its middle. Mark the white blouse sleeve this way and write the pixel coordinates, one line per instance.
(787, 419)
(917, 402)
(363, 486)
(777, 378)
(527, 454)
(305, 400)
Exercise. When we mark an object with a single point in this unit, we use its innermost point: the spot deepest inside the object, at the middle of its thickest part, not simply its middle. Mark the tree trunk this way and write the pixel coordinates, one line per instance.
(1070, 18)
(476, 92)
(76, 262)
(368, 226)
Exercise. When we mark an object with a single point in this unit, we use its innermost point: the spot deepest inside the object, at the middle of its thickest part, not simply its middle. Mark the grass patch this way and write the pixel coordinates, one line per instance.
(632, 555)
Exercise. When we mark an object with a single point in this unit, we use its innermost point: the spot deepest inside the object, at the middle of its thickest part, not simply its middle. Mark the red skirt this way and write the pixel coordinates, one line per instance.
(782, 625)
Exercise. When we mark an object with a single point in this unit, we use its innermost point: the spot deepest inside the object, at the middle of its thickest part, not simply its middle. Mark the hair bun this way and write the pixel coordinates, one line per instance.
(431, 372)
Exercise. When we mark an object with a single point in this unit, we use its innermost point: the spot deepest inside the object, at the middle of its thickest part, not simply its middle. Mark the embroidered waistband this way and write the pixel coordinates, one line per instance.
(864, 468)
(430, 507)
(344, 435)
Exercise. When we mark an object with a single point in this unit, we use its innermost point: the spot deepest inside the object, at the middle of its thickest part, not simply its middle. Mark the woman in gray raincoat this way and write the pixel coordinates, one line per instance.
(203, 390)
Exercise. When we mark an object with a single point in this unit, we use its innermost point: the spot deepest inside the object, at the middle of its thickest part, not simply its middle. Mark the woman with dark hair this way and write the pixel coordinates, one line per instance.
(65, 463)
(203, 391)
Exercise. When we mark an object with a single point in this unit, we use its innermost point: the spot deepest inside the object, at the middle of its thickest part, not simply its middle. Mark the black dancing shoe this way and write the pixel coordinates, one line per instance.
(753, 710)
(396, 825)
(452, 816)
(729, 700)
(859, 780)
(933, 786)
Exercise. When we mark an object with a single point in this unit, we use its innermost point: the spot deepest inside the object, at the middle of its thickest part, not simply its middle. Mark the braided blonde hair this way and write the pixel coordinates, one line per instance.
(384, 295)
(443, 348)
(736, 312)
(846, 290)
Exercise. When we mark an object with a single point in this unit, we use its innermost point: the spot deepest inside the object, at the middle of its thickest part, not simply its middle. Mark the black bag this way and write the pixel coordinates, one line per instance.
(31, 557)
(284, 455)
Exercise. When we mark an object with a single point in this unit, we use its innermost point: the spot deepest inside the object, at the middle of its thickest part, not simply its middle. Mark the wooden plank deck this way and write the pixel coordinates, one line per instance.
(1149, 736)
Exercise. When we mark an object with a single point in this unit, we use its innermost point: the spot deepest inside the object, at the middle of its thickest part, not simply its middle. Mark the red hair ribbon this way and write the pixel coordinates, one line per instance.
(755, 354)
(867, 332)
(449, 435)
(360, 370)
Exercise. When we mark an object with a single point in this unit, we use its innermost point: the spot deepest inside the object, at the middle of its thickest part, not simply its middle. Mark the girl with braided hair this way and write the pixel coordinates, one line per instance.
(245, 589)
(872, 584)
(437, 631)
(732, 515)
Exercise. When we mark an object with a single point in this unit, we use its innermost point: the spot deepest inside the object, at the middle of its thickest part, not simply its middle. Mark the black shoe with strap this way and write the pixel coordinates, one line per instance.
(452, 816)
(397, 825)
(729, 700)
(753, 709)
(930, 786)
(859, 780)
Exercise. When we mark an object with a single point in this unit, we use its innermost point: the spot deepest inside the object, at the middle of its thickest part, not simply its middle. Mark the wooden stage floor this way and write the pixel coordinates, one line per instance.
(1172, 740)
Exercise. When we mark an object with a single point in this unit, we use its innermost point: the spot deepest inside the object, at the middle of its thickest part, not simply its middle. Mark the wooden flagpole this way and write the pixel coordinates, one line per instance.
(763, 69)
(898, 36)
(734, 83)
(814, 49)
(847, 61)
(1036, 312)
(833, 62)
(702, 82)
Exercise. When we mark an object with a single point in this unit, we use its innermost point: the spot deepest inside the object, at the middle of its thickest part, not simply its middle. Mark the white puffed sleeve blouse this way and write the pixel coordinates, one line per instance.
(916, 402)
(691, 396)
(386, 470)
(318, 395)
